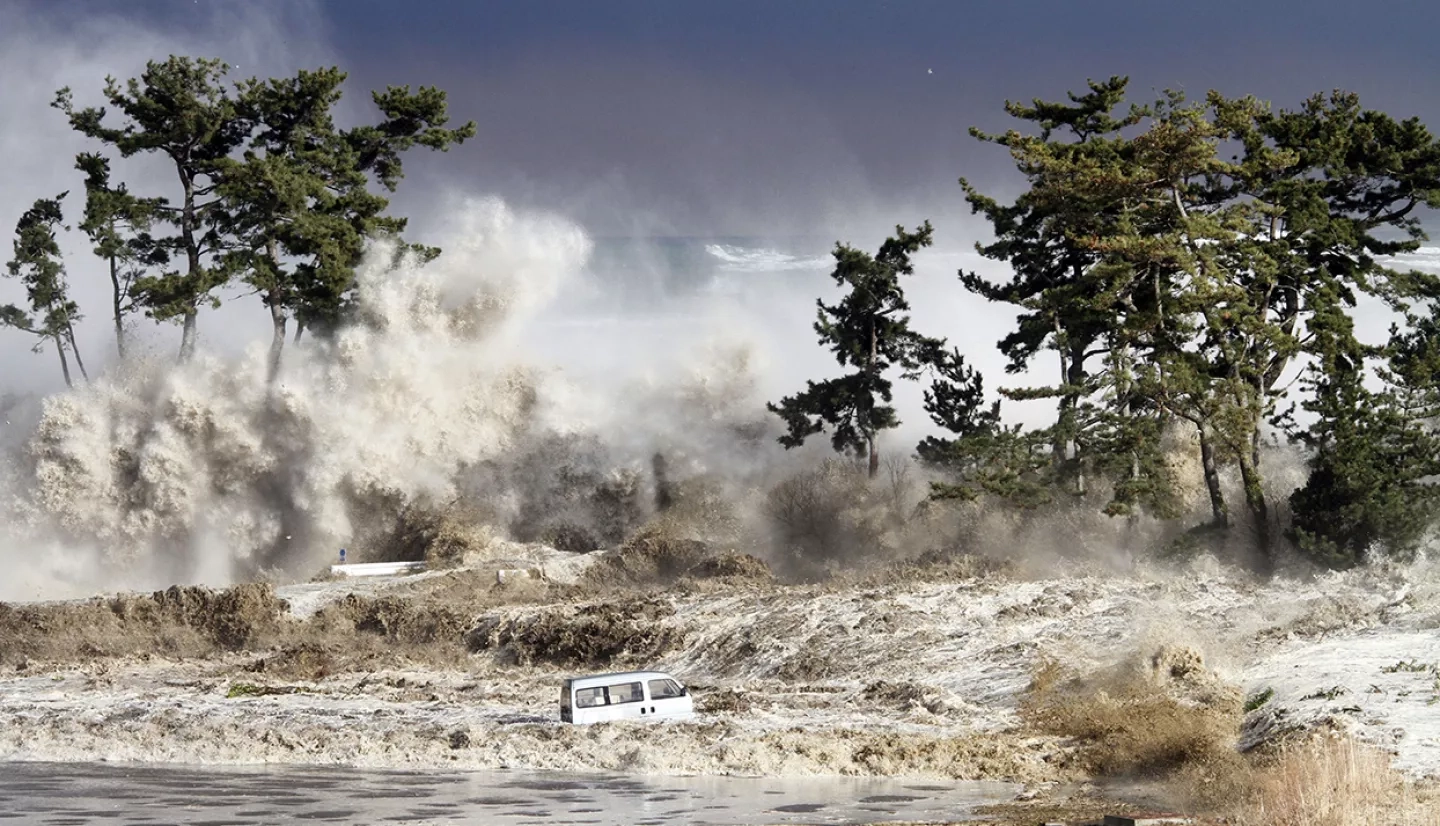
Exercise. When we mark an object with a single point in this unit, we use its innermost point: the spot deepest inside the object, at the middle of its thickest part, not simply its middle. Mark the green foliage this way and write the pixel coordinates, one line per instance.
(1372, 453)
(36, 263)
(178, 108)
(299, 197)
(119, 225)
(869, 331)
(270, 189)
(983, 456)
(1175, 286)
(1091, 272)
(1255, 701)
(252, 690)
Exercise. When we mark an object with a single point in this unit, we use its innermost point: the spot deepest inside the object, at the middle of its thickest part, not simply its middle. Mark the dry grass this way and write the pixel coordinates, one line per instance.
(596, 635)
(179, 621)
(1335, 782)
(1147, 717)
(1166, 722)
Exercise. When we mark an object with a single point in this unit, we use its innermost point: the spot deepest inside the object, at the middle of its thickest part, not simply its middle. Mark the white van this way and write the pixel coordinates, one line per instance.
(639, 695)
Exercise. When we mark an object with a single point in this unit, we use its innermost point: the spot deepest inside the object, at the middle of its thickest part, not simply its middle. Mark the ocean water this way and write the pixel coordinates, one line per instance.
(57, 794)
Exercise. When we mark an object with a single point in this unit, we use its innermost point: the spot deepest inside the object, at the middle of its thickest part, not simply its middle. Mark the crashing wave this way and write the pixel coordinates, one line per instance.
(160, 473)
(751, 259)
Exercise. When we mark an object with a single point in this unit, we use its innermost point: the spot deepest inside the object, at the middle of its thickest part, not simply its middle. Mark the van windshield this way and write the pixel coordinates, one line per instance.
(662, 689)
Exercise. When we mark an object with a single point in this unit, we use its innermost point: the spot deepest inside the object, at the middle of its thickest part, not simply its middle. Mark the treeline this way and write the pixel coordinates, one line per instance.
(268, 193)
(1187, 267)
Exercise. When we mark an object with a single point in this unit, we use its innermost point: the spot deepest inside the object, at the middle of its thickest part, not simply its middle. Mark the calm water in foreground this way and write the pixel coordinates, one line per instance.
(79, 794)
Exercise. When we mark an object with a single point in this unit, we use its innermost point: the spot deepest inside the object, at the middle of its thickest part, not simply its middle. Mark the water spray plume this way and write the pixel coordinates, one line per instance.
(163, 473)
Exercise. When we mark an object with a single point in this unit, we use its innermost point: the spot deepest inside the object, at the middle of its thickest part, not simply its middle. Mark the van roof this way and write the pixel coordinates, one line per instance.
(614, 676)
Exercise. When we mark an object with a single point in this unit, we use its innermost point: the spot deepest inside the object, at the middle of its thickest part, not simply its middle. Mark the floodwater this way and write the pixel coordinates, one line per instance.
(80, 794)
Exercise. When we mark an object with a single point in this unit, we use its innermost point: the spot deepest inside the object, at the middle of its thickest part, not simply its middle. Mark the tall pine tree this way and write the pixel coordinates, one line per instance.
(119, 225)
(867, 330)
(181, 109)
(36, 263)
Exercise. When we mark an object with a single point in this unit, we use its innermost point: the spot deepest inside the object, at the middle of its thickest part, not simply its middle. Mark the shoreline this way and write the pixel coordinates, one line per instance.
(919, 675)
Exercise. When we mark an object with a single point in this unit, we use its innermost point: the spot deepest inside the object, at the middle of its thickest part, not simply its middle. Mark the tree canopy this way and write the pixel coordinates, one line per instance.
(270, 190)
(867, 330)
(1180, 289)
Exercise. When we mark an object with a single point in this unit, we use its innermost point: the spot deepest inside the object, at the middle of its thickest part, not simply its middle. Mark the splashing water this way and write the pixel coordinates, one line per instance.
(202, 472)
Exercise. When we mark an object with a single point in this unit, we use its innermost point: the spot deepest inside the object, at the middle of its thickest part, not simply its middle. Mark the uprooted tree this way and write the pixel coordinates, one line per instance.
(869, 331)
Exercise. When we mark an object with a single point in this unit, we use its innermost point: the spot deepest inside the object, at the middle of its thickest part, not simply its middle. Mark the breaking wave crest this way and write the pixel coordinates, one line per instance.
(204, 473)
(734, 258)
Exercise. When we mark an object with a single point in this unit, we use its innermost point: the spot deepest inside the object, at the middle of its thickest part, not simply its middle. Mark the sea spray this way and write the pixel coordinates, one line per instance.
(203, 472)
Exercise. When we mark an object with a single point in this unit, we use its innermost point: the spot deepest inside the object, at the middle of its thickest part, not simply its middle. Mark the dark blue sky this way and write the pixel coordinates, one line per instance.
(798, 115)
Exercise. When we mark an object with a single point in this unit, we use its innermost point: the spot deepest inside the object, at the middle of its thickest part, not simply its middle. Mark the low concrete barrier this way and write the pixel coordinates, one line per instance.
(378, 568)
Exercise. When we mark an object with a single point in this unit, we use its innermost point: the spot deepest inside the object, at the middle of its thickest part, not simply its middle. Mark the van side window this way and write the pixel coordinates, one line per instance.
(662, 689)
(626, 693)
(590, 697)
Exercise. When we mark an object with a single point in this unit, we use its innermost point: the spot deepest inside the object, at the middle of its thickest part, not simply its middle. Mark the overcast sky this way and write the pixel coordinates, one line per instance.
(756, 117)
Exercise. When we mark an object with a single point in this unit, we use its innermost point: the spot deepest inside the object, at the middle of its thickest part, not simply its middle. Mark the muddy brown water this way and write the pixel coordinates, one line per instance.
(82, 794)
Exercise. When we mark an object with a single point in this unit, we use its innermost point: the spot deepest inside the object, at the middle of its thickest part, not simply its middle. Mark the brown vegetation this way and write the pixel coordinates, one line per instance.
(1335, 782)
(179, 621)
(1150, 716)
(1167, 721)
(594, 635)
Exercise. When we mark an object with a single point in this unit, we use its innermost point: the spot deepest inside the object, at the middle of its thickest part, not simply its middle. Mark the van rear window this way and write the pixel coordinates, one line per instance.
(590, 697)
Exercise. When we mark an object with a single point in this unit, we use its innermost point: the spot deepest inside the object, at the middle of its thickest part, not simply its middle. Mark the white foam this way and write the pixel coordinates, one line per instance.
(735, 258)
(161, 474)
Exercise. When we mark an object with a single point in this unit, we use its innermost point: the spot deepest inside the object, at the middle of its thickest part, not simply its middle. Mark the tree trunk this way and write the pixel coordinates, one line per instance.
(1259, 509)
(1219, 511)
(187, 336)
(274, 300)
(192, 257)
(1059, 448)
(70, 334)
(1075, 377)
(64, 364)
(870, 402)
(115, 307)
(299, 329)
(277, 340)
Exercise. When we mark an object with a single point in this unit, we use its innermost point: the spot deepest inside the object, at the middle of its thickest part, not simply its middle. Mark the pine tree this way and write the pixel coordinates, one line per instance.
(300, 199)
(1088, 285)
(1374, 453)
(982, 455)
(119, 224)
(36, 262)
(869, 331)
(1177, 286)
(1318, 184)
(178, 108)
